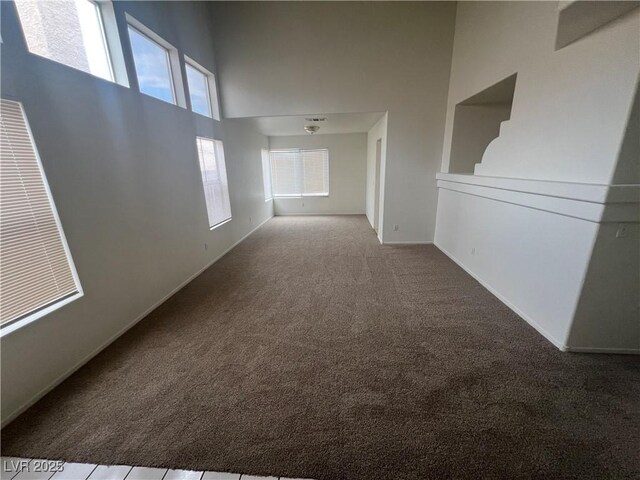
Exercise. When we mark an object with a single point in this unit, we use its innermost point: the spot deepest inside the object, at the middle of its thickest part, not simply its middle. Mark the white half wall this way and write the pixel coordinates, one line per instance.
(347, 174)
(125, 178)
(550, 220)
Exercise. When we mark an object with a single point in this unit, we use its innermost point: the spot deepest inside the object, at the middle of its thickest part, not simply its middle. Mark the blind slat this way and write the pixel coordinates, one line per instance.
(34, 266)
(296, 172)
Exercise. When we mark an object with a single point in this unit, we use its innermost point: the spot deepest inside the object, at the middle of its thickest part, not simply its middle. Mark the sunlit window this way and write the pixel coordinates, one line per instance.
(198, 91)
(153, 67)
(202, 89)
(214, 180)
(70, 32)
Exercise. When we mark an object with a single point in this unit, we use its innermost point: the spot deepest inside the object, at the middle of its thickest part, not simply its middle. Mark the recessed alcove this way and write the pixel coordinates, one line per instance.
(477, 122)
(579, 18)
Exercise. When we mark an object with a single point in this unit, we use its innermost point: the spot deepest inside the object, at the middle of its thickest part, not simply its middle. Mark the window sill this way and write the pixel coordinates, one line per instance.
(12, 327)
(221, 223)
(324, 195)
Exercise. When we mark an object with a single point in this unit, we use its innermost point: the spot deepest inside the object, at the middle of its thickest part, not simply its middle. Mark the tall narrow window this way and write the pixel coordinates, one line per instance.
(72, 33)
(37, 273)
(266, 175)
(214, 180)
(299, 173)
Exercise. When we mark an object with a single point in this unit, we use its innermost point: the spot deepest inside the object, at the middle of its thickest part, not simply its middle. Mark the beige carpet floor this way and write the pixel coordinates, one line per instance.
(310, 350)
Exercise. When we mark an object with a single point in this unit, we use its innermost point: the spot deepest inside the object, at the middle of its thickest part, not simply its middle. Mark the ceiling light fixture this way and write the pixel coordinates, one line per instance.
(311, 129)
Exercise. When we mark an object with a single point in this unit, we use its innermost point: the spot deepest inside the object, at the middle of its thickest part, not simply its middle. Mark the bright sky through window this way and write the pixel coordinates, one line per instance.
(198, 91)
(152, 67)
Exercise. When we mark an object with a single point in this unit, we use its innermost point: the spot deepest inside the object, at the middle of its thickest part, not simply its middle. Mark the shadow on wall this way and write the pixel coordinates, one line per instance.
(608, 310)
(627, 169)
(477, 122)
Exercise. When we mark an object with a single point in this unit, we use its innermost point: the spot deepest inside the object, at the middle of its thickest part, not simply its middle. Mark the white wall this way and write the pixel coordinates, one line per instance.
(377, 132)
(124, 175)
(291, 58)
(474, 128)
(347, 174)
(538, 222)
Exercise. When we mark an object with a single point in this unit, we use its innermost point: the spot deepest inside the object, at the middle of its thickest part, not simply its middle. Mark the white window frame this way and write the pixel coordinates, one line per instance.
(212, 89)
(29, 318)
(215, 142)
(266, 167)
(301, 195)
(173, 57)
(111, 39)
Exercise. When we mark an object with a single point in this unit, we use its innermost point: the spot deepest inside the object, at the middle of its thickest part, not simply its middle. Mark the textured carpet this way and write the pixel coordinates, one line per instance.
(312, 351)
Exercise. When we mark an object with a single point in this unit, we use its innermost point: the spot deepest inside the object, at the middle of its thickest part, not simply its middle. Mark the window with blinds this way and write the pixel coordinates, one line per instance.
(300, 173)
(36, 271)
(214, 180)
(266, 175)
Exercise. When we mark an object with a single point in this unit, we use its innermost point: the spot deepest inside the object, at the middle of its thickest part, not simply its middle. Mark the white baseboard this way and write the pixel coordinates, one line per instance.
(407, 243)
(293, 214)
(558, 344)
(617, 351)
(13, 415)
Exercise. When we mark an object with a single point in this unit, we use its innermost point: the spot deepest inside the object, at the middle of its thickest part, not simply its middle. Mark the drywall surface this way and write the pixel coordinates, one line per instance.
(347, 174)
(124, 175)
(542, 251)
(554, 255)
(377, 132)
(474, 128)
(291, 58)
(569, 111)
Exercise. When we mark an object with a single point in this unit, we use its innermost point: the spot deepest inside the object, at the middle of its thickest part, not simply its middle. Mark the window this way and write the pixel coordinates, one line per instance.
(37, 273)
(202, 90)
(157, 64)
(296, 173)
(266, 175)
(214, 179)
(73, 33)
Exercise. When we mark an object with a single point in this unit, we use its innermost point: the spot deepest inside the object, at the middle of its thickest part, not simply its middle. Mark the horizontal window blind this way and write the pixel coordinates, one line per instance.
(214, 180)
(35, 269)
(296, 172)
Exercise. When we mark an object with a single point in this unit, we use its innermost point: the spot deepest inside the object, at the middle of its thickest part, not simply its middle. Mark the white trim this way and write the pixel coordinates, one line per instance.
(12, 327)
(113, 43)
(18, 324)
(587, 192)
(328, 214)
(12, 416)
(219, 224)
(417, 242)
(557, 343)
(618, 351)
(175, 71)
(306, 195)
(582, 201)
(212, 88)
